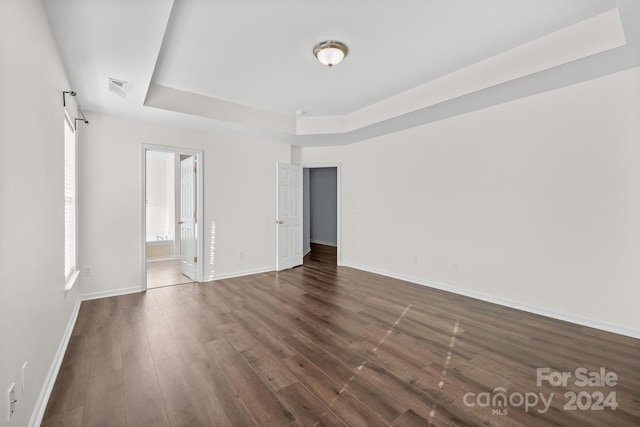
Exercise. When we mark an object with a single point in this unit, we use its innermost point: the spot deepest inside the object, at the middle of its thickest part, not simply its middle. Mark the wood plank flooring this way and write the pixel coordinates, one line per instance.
(326, 345)
(165, 273)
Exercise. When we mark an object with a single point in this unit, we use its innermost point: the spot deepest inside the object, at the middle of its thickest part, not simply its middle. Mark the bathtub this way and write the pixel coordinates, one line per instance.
(159, 246)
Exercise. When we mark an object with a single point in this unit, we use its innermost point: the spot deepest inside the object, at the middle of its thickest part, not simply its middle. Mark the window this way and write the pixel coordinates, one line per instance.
(70, 273)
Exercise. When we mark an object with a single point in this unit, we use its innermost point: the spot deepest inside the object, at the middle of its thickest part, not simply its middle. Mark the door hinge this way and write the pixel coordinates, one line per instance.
(195, 215)
(195, 169)
(195, 259)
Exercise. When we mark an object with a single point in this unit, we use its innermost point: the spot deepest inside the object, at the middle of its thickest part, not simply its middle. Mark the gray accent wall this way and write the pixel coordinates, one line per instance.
(323, 191)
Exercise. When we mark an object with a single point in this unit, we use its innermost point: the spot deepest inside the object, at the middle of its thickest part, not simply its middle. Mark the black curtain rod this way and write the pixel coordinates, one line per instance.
(75, 97)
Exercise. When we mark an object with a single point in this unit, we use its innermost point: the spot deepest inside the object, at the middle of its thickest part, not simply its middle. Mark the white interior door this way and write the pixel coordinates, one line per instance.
(188, 220)
(289, 216)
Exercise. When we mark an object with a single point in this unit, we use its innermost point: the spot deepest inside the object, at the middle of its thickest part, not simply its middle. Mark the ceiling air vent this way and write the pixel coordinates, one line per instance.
(118, 87)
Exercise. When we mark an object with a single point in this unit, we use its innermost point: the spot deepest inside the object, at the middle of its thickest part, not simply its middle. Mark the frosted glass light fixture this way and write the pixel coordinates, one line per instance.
(330, 52)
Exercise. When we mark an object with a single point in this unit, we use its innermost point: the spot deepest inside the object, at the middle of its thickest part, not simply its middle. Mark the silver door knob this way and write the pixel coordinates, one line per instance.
(180, 222)
(280, 222)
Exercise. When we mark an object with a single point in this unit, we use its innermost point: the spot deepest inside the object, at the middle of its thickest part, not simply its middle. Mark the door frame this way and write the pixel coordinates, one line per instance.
(338, 202)
(199, 155)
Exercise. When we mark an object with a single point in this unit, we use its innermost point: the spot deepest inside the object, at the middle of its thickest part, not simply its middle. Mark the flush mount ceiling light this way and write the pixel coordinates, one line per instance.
(330, 52)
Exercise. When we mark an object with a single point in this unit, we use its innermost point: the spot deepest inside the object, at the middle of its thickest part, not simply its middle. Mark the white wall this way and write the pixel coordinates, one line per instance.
(34, 308)
(239, 197)
(536, 201)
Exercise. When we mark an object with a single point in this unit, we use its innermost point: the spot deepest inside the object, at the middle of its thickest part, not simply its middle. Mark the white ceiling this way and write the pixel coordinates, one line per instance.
(247, 66)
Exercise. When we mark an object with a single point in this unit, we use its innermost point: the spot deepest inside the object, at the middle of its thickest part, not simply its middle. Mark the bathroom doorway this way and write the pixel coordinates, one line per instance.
(170, 217)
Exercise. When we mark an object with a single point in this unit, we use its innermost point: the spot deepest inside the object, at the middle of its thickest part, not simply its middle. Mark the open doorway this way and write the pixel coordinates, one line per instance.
(321, 216)
(172, 205)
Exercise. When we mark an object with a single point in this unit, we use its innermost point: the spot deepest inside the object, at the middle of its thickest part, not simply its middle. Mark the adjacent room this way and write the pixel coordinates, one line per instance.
(170, 212)
(320, 215)
(163, 267)
(363, 213)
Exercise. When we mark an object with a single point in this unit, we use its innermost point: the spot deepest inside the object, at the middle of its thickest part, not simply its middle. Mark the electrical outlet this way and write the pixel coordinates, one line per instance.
(454, 267)
(414, 259)
(240, 254)
(88, 271)
(11, 395)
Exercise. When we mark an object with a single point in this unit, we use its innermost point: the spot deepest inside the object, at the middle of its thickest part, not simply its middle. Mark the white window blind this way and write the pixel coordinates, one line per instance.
(69, 201)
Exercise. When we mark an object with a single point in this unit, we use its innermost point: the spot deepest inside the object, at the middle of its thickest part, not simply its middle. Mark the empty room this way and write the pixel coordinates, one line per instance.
(305, 213)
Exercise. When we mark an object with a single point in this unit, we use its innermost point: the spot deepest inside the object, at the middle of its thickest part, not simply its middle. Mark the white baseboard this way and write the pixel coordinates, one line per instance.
(320, 242)
(52, 375)
(113, 293)
(579, 320)
(238, 274)
(166, 258)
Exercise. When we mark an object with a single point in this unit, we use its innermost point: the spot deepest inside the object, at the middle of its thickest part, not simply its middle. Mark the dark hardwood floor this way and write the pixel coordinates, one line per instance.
(327, 345)
(322, 257)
